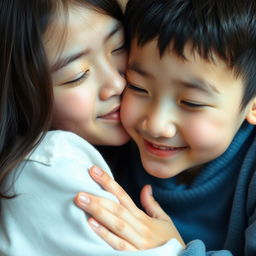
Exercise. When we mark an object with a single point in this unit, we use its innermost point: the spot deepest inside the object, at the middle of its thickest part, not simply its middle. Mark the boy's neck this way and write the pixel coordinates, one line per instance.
(187, 177)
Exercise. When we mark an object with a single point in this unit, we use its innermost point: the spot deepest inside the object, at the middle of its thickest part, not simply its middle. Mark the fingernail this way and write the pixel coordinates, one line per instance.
(94, 223)
(97, 171)
(84, 199)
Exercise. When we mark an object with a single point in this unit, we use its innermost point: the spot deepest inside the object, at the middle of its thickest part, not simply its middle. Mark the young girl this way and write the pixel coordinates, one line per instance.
(62, 65)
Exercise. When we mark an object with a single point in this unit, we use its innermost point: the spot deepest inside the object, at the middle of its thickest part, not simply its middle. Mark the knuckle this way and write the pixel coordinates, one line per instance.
(121, 192)
(148, 237)
(111, 183)
(103, 232)
(94, 205)
(118, 209)
(144, 245)
(108, 182)
(120, 226)
(147, 242)
(121, 245)
(107, 178)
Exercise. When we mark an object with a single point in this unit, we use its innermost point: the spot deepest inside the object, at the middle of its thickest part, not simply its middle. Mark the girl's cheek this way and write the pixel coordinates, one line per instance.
(74, 104)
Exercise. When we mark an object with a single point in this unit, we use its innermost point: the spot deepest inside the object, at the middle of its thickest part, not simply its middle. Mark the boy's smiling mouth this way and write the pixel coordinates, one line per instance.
(162, 150)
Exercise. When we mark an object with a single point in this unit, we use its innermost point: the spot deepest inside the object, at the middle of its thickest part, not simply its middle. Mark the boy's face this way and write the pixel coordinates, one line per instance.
(181, 113)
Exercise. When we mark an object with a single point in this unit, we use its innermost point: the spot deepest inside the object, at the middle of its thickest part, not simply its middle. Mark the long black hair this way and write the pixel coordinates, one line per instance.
(26, 92)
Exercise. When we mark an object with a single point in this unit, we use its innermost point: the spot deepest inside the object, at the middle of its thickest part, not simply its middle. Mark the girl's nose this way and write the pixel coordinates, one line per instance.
(113, 84)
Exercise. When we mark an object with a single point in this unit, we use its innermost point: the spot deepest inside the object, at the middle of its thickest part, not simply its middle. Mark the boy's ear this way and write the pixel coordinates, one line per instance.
(251, 114)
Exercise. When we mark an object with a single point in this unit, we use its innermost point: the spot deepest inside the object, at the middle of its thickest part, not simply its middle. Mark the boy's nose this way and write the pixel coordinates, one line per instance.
(157, 126)
(113, 83)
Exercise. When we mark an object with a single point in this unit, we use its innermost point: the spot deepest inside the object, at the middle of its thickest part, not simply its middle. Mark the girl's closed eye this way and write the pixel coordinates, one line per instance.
(78, 79)
(119, 49)
(136, 88)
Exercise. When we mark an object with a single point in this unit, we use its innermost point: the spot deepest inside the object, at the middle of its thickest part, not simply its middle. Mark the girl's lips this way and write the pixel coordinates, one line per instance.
(162, 151)
(114, 115)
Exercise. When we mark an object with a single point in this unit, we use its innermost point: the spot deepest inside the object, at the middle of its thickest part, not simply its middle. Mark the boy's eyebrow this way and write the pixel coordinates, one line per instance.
(200, 85)
(194, 83)
(136, 68)
(64, 61)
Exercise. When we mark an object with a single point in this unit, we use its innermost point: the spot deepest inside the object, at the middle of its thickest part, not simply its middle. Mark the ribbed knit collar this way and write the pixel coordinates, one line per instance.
(226, 166)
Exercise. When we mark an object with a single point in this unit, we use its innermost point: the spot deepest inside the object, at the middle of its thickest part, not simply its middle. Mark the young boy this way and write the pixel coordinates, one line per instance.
(190, 107)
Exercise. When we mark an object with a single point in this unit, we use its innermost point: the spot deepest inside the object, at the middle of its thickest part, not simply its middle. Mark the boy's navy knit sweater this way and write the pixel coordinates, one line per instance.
(216, 211)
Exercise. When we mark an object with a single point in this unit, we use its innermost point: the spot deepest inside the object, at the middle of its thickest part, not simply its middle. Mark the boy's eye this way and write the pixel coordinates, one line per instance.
(136, 88)
(79, 79)
(192, 104)
(119, 49)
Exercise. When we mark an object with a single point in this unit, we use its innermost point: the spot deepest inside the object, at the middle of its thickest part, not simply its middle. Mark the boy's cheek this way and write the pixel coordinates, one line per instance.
(208, 135)
(129, 112)
(127, 117)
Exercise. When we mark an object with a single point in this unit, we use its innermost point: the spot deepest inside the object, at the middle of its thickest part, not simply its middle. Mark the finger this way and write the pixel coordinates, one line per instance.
(109, 184)
(150, 205)
(109, 237)
(108, 212)
(114, 217)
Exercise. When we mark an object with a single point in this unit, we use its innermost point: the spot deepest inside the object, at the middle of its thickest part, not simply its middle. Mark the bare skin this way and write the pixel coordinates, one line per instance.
(122, 224)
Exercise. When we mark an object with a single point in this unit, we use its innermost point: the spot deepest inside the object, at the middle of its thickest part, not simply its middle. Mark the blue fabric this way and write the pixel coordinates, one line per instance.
(218, 208)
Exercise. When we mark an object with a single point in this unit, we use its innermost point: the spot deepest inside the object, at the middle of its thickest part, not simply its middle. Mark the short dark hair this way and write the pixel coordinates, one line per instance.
(226, 28)
(26, 92)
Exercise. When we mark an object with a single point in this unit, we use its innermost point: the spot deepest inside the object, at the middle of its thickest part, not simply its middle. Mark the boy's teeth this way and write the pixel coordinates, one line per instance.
(161, 147)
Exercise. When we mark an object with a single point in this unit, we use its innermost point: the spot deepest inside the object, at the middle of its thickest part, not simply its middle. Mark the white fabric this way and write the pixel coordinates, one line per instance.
(43, 219)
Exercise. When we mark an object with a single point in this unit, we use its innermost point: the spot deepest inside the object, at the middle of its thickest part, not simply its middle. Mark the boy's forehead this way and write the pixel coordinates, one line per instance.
(188, 53)
(139, 50)
(146, 61)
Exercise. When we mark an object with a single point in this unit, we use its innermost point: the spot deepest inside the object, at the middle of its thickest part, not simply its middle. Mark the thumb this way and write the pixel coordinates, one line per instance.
(151, 206)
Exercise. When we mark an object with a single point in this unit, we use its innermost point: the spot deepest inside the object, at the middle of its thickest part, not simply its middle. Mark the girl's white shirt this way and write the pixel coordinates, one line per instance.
(42, 220)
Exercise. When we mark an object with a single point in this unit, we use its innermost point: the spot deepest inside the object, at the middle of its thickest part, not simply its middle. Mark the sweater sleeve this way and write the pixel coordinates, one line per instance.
(42, 219)
(197, 248)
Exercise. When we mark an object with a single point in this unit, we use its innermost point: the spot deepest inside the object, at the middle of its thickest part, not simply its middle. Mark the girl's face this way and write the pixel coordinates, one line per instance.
(87, 61)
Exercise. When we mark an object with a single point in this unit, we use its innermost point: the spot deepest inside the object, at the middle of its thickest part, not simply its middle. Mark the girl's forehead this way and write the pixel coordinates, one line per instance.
(61, 18)
(62, 22)
(71, 18)
(77, 29)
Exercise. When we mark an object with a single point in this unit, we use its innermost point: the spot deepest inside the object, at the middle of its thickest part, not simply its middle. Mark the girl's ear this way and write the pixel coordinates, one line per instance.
(251, 114)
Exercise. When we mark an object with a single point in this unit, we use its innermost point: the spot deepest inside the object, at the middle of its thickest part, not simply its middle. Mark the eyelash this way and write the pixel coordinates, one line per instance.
(135, 88)
(121, 48)
(79, 79)
(192, 105)
(186, 103)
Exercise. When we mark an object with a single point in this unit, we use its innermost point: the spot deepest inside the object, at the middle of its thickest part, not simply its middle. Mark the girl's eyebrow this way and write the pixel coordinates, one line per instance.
(65, 60)
(116, 28)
